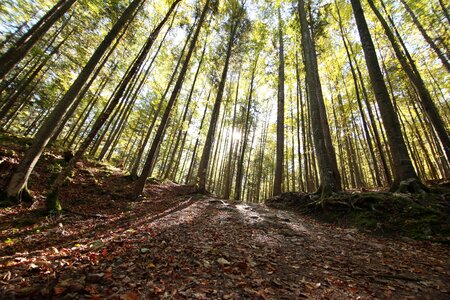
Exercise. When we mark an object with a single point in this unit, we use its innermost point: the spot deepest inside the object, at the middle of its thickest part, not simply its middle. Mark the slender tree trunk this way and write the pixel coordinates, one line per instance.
(278, 178)
(52, 199)
(445, 11)
(427, 38)
(16, 53)
(228, 173)
(416, 80)
(204, 161)
(330, 179)
(358, 98)
(240, 163)
(188, 102)
(299, 98)
(143, 144)
(403, 169)
(194, 152)
(140, 183)
(17, 187)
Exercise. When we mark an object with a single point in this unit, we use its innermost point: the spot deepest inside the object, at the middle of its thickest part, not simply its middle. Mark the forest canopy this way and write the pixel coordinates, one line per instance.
(245, 99)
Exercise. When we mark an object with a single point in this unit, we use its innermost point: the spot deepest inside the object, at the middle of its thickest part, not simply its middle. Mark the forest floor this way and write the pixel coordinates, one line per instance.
(176, 244)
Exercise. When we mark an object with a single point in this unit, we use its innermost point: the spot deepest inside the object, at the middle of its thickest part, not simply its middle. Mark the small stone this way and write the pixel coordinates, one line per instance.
(223, 262)
(206, 263)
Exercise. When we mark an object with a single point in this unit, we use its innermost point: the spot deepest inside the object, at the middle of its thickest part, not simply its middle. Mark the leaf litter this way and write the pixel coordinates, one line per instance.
(174, 244)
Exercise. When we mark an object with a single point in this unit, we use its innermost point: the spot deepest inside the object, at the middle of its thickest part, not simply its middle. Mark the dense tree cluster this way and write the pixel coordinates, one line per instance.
(244, 98)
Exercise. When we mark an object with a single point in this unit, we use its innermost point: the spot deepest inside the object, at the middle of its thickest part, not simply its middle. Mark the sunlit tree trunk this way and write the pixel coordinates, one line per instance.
(17, 187)
(143, 144)
(53, 196)
(329, 178)
(228, 173)
(300, 116)
(358, 98)
(18, 51)
(240, 163)
(413, 74)
(278, 178)
(22, 86)
(204, 161)
(427, 38)
(185, 113)
(445, 11)
(159, 135)
(197, 141)
(403, 169)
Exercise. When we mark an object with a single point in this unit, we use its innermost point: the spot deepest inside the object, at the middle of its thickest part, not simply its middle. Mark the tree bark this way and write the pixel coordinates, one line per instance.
(17, 186)
(240, 163)
(16, 53)
(402, 169)
(329, 178)
(53, 196)
(416, 80)
(427, 38)
(140, 183)
(204, 161)
(278, 178)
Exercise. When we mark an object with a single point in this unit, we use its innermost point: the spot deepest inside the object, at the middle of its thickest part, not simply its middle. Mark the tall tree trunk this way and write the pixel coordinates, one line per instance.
(240, 163)
(358, 98)
(16, 53)
(52, 201)
(403, 169)
(17, 187)
(427, 38)
(329, 178)
(140, 183)
(299, 102)
(188, 102)
(278, 178)
(416, 80)
(228, 173)
(204, 161)
(197, 140)
(376, 133)
(143, 144)
(445, 11)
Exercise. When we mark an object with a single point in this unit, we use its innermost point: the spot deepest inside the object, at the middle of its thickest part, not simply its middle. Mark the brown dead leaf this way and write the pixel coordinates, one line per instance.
(130, 296)
(59, 290)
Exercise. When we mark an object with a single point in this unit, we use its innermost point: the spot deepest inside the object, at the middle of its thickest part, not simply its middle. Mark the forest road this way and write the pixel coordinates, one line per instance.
(207, 248)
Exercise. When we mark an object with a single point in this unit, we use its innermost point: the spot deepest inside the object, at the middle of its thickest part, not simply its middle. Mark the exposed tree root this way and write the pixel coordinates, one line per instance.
(23, 195)
(412, 186)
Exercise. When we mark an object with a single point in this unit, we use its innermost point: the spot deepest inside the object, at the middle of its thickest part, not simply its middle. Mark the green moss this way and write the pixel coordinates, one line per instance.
(411, 215)
(52, 203)
(363, 219)
(11, 139)
(54, 168)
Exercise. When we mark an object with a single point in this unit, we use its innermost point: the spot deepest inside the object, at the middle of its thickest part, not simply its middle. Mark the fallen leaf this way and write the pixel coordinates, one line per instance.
(130, 296)
(223, 262)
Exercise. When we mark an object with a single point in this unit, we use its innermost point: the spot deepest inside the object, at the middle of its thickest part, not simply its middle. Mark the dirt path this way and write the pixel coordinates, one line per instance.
(205, 248)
